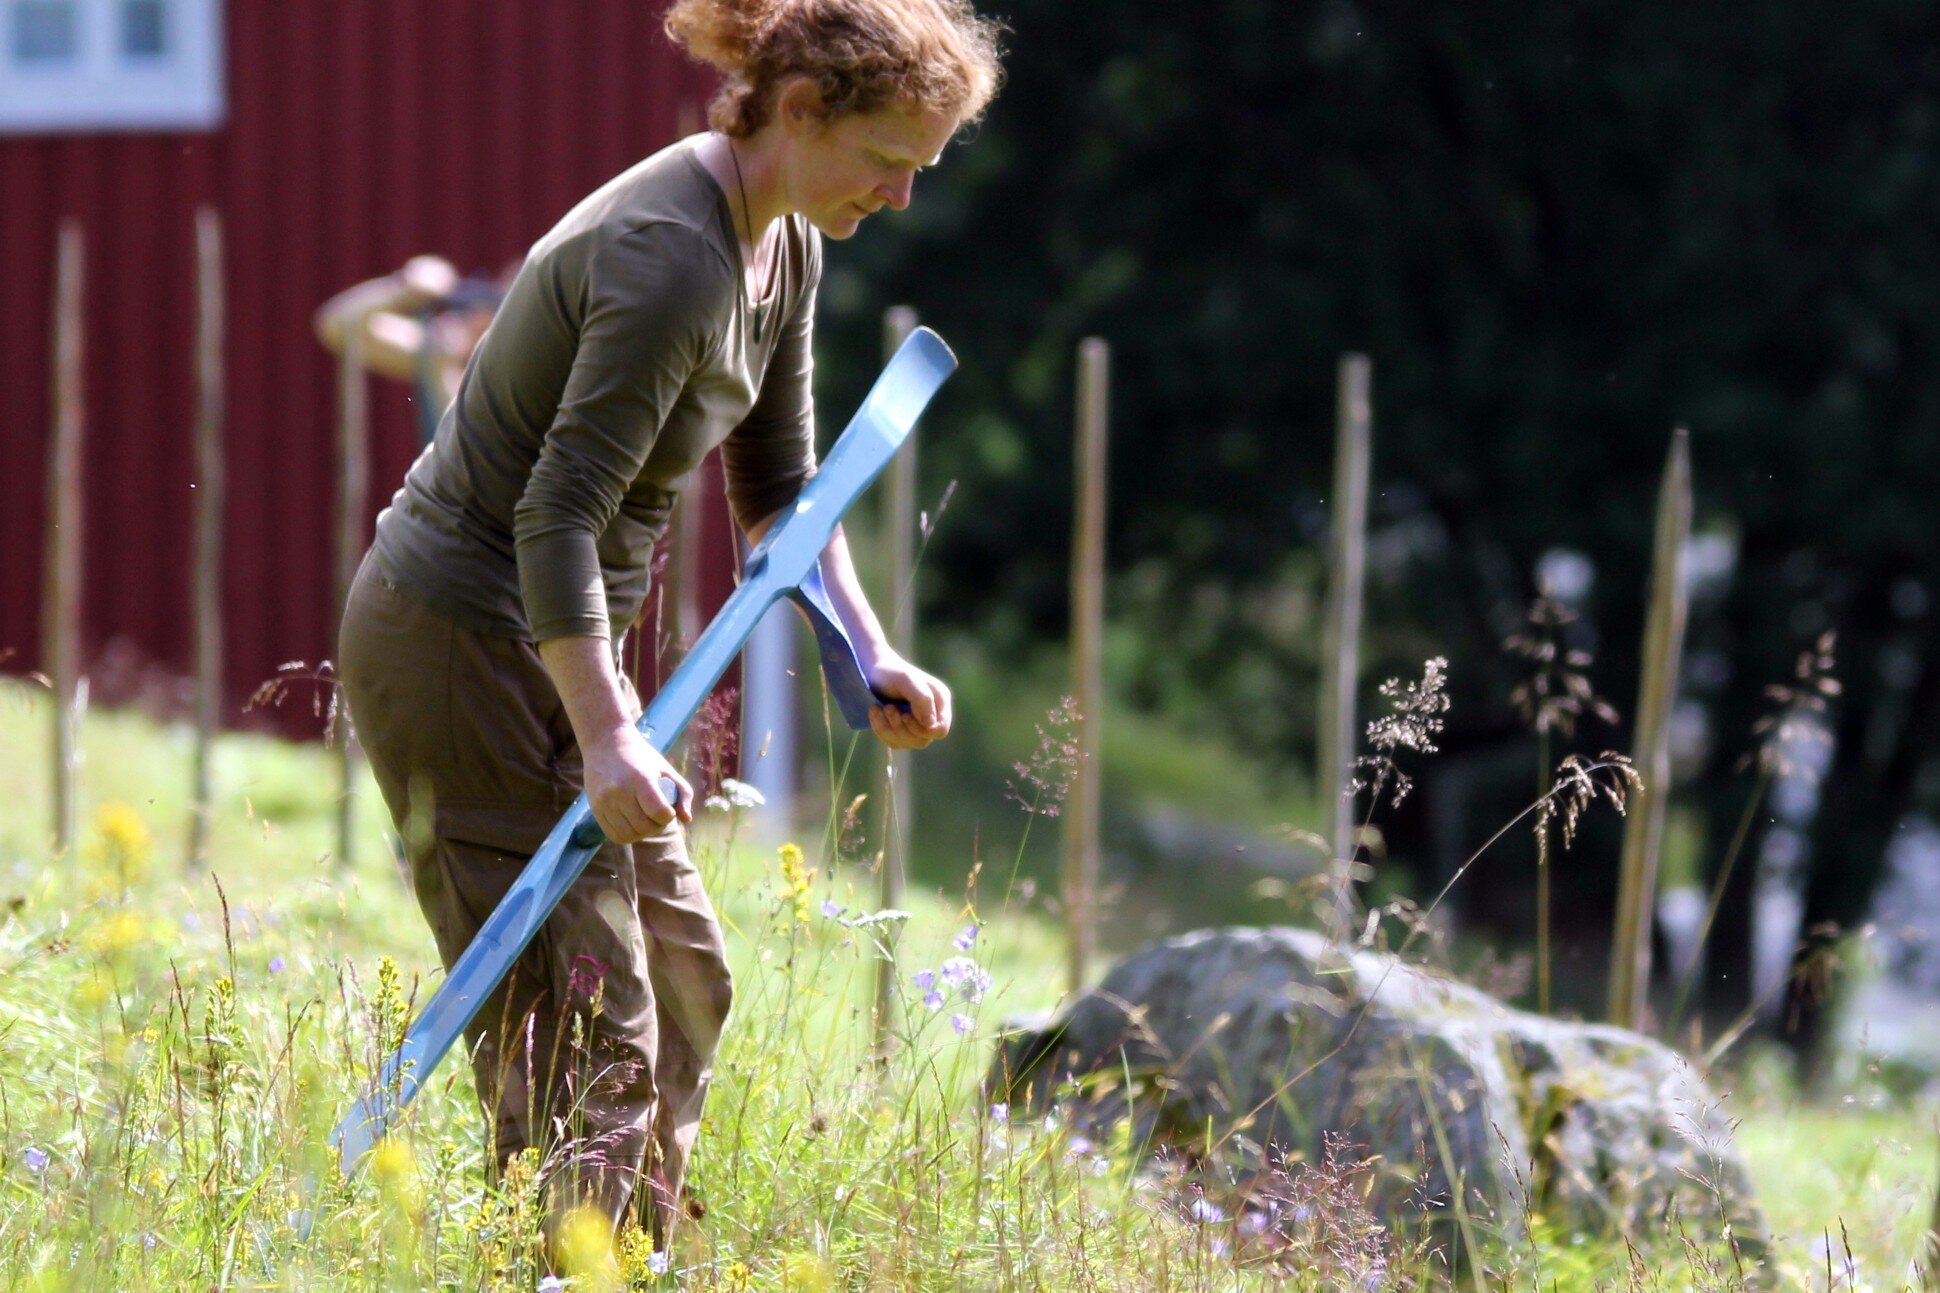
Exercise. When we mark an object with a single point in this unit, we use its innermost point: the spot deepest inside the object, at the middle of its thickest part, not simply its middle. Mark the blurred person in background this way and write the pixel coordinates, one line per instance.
(421, 325)
(670, 312)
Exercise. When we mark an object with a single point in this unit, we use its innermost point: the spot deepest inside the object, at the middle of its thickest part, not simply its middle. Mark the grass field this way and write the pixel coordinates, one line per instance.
(174, 1048)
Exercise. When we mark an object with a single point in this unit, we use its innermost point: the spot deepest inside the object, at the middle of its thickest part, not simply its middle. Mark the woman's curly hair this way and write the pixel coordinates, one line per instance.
(930, 55)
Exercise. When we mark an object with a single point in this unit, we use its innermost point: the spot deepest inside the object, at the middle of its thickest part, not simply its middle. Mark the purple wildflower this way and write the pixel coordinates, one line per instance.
(1205, 1211)
(964, 975)
(934, 1000)
(965, 937)
(658, 1262)
(962, 1023)
(831, 909)
(277, 965)
(36, 1160)
(1000, 1112)
(924, 979)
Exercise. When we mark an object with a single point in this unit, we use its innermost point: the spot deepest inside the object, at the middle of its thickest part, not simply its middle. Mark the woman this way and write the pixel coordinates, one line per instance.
(671, 311)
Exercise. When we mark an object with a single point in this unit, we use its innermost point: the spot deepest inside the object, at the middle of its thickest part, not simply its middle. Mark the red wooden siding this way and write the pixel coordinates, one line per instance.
(358, 134)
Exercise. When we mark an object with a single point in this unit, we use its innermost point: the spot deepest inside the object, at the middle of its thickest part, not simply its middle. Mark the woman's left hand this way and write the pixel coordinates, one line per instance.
(928, 717)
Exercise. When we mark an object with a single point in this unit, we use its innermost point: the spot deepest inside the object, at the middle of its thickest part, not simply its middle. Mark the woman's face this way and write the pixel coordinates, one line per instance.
(846, 169)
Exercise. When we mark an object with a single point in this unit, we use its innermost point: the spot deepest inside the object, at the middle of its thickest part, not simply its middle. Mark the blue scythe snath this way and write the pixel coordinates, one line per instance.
(786, 563)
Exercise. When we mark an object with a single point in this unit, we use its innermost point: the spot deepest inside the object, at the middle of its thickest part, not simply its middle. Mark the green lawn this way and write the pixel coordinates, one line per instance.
(173, 1049)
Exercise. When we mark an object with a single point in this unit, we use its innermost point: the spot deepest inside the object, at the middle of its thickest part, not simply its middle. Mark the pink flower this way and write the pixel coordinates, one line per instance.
(588, 973)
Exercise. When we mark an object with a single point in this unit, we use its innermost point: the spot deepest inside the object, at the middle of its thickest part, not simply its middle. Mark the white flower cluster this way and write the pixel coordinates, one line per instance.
(734, 795)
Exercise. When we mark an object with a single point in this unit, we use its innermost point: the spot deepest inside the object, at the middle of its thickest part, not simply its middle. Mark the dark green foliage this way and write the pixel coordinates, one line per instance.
(1559, 228)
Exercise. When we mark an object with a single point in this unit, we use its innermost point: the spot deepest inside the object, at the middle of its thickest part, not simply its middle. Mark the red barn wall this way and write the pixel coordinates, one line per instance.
(357, 135)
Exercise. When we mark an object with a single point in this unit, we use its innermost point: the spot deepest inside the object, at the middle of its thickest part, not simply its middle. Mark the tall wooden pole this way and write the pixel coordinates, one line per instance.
(353, 488)
(1340, 655)
(61, 606)
(1930, 1251)
(686, 570)
(208, 523)
(1087, 645)
(897, 323)
(1643, 832)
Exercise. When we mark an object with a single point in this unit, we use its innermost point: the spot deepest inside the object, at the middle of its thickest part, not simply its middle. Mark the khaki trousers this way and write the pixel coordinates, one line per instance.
(599, 1047)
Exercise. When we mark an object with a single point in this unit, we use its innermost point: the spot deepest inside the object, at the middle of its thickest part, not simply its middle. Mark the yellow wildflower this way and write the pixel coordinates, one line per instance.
(807, 1272)
(390, 1009)
(97, 988)
(795, 880)
(117, 933)
(586, 1249)
(637, 1262)
(121, 845)
(394, 1167)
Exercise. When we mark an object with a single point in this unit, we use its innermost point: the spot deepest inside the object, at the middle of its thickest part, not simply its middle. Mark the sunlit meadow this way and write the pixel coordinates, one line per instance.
(174, 1048)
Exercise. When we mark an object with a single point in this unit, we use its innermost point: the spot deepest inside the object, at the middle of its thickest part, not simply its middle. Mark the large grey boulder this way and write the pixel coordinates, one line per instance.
(1278, 1042)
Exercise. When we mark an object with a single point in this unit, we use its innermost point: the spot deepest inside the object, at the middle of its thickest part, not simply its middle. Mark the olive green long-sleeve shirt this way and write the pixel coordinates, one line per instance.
(626, 349)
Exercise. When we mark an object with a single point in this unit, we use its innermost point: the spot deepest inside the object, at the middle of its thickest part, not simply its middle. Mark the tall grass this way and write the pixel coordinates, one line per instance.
(172, 1055)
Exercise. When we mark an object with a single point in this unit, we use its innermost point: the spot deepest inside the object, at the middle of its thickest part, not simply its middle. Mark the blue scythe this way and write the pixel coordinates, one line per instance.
(786, 563)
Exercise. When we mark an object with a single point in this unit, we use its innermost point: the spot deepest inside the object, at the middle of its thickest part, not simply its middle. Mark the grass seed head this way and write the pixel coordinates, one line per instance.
(1041, 783)
(1556, 691)
(1413, 723)
(1796, 719)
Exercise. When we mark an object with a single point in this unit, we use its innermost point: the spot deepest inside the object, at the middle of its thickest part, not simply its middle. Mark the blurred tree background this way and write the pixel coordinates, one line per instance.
(1559, 228)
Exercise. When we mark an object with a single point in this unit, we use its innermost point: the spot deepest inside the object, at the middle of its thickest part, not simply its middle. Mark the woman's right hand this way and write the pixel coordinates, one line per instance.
(623, 784)
(622, 772)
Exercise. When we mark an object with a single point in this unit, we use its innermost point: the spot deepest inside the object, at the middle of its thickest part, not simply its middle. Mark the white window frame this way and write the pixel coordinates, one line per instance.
(105, 90)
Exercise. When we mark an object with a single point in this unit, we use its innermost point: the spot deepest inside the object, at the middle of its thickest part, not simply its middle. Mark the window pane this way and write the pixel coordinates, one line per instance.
(44, 31)
(144, 28)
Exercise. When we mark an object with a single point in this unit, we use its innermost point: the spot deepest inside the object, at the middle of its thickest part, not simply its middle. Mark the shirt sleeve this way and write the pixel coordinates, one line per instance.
(651, 299)
(771, 455)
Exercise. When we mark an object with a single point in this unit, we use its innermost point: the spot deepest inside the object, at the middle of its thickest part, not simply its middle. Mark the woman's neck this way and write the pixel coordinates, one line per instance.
(747, 172)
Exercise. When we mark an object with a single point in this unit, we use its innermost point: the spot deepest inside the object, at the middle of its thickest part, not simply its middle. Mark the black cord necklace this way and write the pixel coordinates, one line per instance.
(747, 223)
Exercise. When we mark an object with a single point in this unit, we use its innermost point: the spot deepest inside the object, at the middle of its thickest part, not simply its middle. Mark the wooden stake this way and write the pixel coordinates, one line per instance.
(1930, 1251)
(353, 488)
(1087, 644)
(686, 571)
(208, 524)
(1643, 831)
(897, 323)
(1340, 654)
(61, 604)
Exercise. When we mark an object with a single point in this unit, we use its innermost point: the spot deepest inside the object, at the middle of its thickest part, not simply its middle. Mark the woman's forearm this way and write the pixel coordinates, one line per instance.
(582, 671)
(627, 780)
(851, 603)
(844, 588)
(915, 708)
